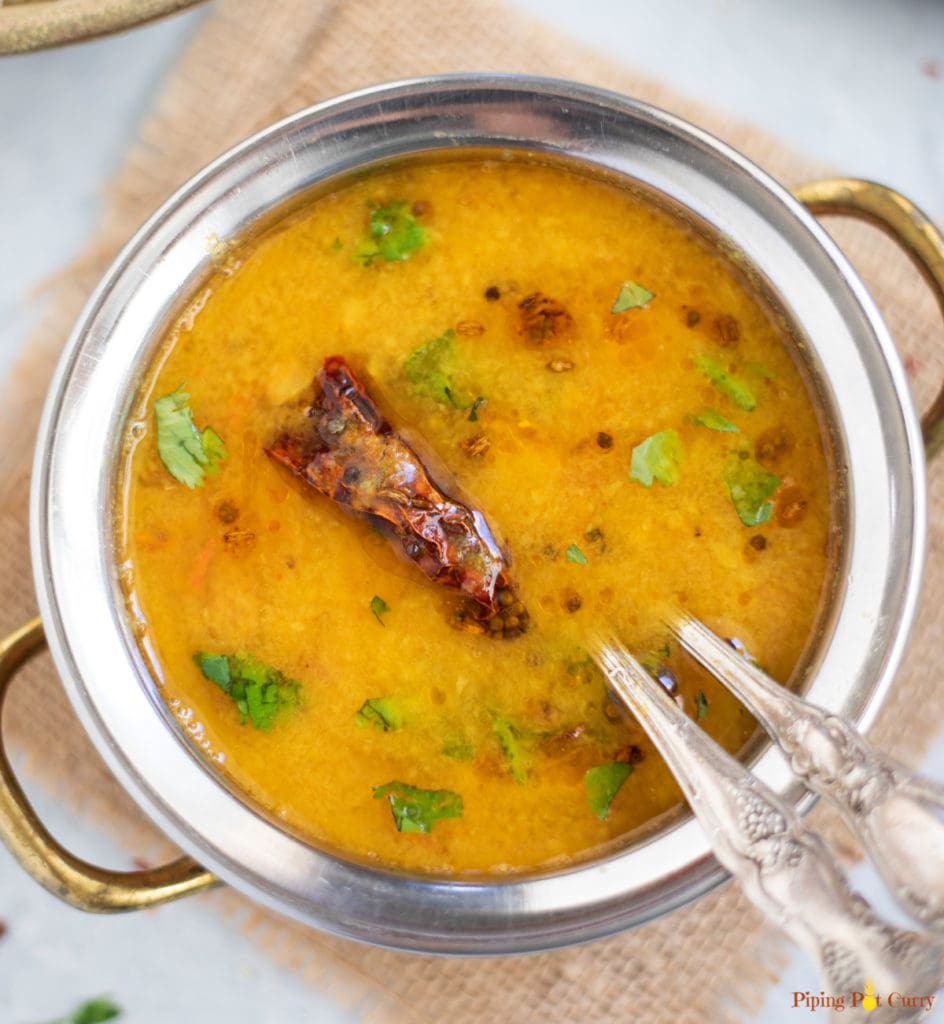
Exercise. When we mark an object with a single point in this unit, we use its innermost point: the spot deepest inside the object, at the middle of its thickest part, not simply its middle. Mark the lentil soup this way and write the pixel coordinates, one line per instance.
(605, 416)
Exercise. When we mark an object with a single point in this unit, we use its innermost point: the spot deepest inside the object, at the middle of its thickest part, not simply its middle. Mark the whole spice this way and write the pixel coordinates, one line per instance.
(348, 452)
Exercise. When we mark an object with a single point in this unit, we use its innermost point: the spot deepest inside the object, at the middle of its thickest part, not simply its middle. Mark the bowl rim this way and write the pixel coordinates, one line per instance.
(91, 392)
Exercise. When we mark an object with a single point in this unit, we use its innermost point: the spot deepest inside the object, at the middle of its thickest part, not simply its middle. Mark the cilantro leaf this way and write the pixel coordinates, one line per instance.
(216, 668)
(381, 712)
(378, 607)
(93, 1011)
(508, 737)
(394, 234)
(258, 691)
(749, 485)
(735, 388)
(715, 421)
(429, 369)
(213, 448)
(187, 453)
(417, 810)
(631, 296)
(602, 783)
(701, 705)
(657, 458)
(574, 554)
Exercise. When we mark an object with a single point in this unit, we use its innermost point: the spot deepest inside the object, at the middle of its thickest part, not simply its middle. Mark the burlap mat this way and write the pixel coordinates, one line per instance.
(250, 64)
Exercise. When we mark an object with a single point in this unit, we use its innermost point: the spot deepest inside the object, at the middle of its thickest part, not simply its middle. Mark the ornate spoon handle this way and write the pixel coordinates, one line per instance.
(786, 870)
(898, 815)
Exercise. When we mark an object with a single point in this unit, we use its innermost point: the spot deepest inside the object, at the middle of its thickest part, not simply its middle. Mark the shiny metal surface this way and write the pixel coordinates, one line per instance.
(36, 24)
(851, 360)
(914, 232)
(896, 814)
(784, 868)
(79, 883)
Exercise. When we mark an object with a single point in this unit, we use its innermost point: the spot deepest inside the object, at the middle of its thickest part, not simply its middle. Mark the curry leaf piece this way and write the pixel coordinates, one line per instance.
(509, 738)
(258, 691)
(429, 369)
(715, 421)
(394, 233)
(381, 712)
(574, 554)
(602, 783)
(631, 296)
(727, 383)
(657, 458)
(187, 453)
(378, 607)
(701, 705)
(417, 810)
(749, 485)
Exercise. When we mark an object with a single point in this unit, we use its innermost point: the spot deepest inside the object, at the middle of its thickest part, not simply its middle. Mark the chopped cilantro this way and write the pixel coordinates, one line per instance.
(750, 485)
(714, 421)
(602, 784)
(657, 458)
(188, 454)
(394, 233)
(258, 690)
(735, 388)
(378, 607)
(574, 554)
(417, 810)
(94, 1011)
(216, 668)
(509, 736)
(459, 750)
(381, 712)
(474, 411)
(701, 705)
(664, 651)
(631, 296)
(429, 370)
(337, 245)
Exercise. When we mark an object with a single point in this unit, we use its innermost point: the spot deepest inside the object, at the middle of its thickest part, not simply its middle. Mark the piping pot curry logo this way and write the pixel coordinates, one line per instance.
(865, 1001)
(869, 1002)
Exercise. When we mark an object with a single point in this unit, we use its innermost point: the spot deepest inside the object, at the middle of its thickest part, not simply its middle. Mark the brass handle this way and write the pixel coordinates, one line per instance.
(33, 26)
(918, 237)
(73, 880)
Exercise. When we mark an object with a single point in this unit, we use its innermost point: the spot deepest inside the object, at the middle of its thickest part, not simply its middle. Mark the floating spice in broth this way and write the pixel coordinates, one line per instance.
(464, 415)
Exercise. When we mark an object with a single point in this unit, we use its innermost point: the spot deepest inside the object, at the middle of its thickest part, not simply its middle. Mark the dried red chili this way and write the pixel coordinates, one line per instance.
(348, 452)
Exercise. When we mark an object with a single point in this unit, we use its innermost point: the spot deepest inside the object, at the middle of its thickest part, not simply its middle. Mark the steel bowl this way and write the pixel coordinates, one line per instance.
(841, 342)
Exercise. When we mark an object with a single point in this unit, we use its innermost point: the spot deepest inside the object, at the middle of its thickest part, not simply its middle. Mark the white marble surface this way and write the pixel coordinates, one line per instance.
(858, 84)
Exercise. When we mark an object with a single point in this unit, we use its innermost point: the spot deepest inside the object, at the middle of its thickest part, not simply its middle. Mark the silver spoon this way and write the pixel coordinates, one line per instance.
(786, 870)
(898, 815)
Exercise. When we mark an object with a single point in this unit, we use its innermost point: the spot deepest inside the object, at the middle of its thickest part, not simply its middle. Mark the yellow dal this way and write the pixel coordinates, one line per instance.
(291, 581)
